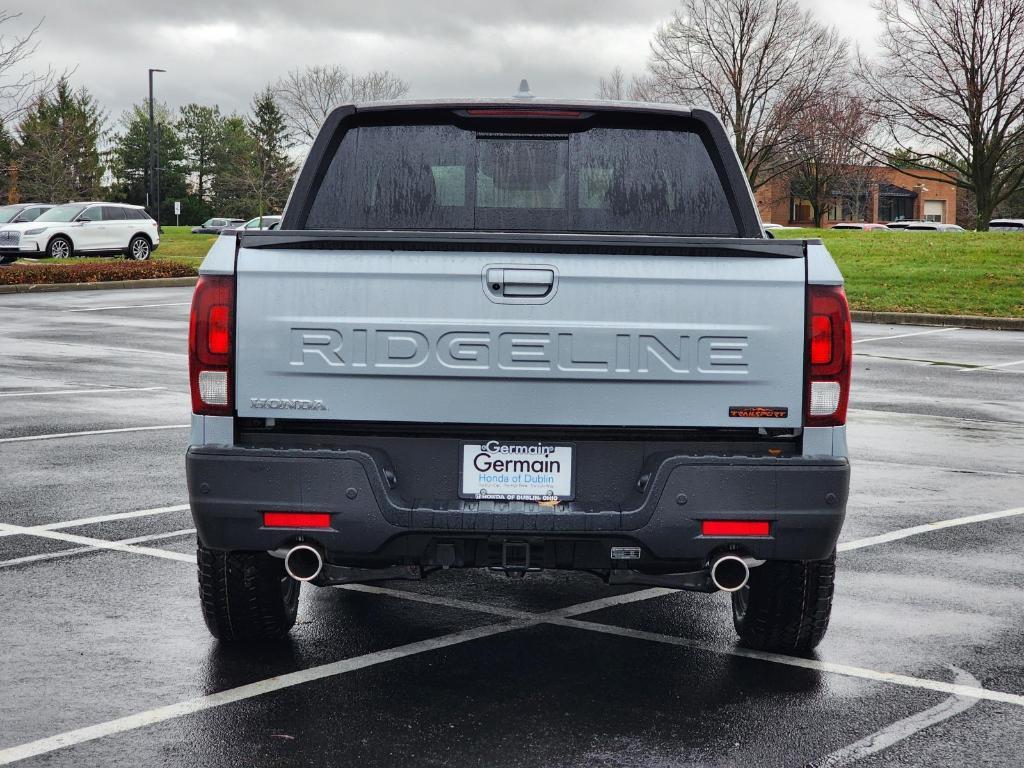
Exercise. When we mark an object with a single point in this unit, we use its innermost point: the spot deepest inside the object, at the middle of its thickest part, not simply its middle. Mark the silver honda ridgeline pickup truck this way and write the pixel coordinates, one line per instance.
(520, 335)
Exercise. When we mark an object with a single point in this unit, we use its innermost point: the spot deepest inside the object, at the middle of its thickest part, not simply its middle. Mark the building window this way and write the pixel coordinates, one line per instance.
(800, 209)
(893, 208)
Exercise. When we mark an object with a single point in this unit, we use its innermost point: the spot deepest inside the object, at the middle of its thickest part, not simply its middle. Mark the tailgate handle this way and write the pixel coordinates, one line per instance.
(520, 283)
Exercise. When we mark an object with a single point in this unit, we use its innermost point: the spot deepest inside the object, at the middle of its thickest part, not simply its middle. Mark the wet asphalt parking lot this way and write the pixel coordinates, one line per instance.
(105, 659)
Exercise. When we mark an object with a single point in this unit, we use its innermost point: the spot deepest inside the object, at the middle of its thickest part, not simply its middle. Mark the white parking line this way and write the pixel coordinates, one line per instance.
(116, 546)
(131, 306)
(903, 729)
(916, 417)
(938, 525)
(561, 617)
(202, 703)
(954, 689)
(27, 438)
(82, 550)
(941, 468)
(905, 335)
(101, 519)
(110, 517)
(447, 602)
(106, 348)
(101, 391)
(991, 367)
(511, 613)
(300, 677)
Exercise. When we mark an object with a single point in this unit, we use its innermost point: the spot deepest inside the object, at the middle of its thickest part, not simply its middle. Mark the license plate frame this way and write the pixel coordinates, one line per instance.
(537, 453)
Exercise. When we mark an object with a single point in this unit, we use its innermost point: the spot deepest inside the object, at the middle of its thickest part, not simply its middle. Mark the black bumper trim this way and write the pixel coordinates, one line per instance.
(229, 488)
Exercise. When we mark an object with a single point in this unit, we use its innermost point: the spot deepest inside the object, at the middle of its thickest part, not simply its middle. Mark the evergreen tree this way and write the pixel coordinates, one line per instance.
(232, 158)
(200, 129)
(8, 169)
(129, 158)
(57, 151)
(260, 172)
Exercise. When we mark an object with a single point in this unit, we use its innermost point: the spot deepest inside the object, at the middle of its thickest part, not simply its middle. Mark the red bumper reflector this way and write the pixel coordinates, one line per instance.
(734, 527)
(296, 520)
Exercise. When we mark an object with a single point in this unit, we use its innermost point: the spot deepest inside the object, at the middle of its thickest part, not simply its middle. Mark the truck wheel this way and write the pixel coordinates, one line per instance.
(785, 606)
(246, 596)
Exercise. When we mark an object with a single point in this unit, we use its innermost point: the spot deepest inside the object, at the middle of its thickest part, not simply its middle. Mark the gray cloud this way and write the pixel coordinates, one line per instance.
(222, 51)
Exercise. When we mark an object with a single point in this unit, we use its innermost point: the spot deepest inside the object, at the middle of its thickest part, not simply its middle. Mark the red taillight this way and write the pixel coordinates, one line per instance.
(210, 337)
(821, 339)
(296, 520)
(218, 337)
(829, 356)
(735, 527)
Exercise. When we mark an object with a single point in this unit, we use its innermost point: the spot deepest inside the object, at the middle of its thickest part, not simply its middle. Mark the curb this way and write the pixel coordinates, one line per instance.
(957, 321)
(156, 282)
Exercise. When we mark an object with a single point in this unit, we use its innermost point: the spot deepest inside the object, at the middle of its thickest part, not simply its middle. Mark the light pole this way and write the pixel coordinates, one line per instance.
(151, 164)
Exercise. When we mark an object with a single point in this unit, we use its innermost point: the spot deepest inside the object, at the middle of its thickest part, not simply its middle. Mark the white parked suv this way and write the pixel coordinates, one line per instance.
(80, 229)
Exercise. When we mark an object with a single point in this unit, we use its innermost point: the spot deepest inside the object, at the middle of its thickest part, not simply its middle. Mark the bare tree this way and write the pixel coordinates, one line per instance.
(951, 78)
(832, 128)
(755, 62)
(616, 87)
(20, 89)
(613, 87)
(857, 185)
(308, 95)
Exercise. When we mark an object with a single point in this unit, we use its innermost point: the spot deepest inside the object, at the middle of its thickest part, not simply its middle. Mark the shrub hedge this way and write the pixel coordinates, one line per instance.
(91, 272)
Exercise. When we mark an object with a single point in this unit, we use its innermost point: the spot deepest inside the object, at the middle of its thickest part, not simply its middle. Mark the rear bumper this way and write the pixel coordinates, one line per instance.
(372, 525)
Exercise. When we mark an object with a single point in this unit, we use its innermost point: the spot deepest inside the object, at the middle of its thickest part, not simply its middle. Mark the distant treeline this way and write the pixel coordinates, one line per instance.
(63, 146)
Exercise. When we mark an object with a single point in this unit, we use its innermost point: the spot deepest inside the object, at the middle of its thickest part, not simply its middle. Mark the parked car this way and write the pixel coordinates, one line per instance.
(22, 212)
(427, 370)
(1002, 225)
(904, 223)
(262, 222)
(17, 214)
(216, 226)
(82, 229)
(863, 226)
(934, 226)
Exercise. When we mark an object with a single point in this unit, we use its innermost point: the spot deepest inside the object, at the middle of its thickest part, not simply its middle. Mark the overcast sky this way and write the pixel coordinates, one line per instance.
(222, 51)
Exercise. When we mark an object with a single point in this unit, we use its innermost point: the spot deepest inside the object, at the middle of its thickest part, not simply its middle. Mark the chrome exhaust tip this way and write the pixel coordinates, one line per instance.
(303, 562)
(730, 573)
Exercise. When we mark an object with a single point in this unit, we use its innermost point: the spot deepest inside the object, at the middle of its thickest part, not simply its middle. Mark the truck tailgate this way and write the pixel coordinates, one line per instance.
(530, 338)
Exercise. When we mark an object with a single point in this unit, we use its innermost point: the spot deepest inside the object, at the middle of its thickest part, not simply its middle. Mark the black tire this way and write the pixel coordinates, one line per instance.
(60, 248)
(785, 606)
(7, 260)
(139, 248)
(246, 596)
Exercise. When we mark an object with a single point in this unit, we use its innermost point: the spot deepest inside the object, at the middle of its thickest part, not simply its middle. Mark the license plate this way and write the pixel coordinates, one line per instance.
(516, 471)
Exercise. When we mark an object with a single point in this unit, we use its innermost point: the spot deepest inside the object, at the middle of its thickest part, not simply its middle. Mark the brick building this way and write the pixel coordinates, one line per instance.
(870, 193)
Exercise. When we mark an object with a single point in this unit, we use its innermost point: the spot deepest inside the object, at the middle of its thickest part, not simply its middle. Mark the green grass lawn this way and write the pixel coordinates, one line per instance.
(176, 244)
(179, 244)
(971, 273)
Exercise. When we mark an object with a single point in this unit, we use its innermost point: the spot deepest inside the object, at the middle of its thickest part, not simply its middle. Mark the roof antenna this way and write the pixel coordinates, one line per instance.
(524, 90)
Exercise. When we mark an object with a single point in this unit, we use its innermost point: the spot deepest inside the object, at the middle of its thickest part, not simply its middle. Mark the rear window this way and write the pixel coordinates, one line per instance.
(601, 179)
